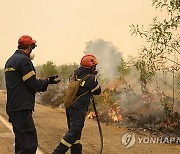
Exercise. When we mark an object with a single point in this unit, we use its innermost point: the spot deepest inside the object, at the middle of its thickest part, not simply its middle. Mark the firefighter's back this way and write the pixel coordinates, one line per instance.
(19, 97)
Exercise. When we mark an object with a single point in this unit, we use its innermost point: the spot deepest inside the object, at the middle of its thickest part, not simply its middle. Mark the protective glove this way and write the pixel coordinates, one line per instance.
(51, 79)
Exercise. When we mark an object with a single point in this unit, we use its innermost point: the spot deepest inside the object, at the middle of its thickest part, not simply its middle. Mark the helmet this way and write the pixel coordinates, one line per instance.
(88, 61)
(26, 40)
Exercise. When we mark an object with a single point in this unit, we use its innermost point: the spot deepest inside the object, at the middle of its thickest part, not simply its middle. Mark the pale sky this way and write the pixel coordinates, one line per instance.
(61, 27)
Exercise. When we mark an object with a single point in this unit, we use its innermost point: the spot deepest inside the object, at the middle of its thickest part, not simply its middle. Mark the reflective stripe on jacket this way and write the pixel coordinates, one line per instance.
(21, 82)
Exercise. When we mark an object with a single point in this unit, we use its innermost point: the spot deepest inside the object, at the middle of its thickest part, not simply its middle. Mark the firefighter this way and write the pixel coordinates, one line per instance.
(21, 85)
(77, 112)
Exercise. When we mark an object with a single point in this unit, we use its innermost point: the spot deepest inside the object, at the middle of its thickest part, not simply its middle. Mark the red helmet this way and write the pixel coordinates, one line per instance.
(26, 40)
(88, 61)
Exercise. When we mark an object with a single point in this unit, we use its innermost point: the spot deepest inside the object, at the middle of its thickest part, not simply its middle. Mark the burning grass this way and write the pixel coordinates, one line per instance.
(155, 113)
(121, 104)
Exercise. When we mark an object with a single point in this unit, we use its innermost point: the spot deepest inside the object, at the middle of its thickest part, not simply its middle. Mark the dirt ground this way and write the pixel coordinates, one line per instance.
(51, 126)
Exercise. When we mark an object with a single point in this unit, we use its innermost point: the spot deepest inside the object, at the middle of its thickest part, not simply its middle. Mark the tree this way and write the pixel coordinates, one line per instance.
(163, 41)
(66, 70)
(146, 73)
(124, 68)
(162, 36)
(55, 93)
(48, 69)
(161, 54)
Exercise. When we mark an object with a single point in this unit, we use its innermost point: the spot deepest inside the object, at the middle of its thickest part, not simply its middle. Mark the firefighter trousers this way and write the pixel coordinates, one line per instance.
(75, 121)
(24, 131)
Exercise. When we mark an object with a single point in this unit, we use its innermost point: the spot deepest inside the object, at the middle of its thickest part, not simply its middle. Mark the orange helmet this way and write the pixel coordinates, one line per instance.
(88, 61)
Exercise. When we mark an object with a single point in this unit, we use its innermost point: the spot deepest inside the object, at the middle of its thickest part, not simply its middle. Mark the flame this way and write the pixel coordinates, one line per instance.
(114, 114)
(116, 117)
(113, 110)
(91, 115)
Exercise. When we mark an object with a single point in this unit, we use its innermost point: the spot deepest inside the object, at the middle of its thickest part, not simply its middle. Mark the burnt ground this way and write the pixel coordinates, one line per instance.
(51, 125)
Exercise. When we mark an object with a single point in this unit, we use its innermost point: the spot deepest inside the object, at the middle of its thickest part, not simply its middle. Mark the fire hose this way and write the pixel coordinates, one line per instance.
(99, 126)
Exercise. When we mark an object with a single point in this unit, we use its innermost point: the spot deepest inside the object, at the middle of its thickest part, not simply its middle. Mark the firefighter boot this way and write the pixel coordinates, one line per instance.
(76, 149)
(61, 149)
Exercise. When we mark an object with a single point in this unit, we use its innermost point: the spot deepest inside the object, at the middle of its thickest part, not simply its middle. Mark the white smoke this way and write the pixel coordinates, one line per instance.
(108, 56)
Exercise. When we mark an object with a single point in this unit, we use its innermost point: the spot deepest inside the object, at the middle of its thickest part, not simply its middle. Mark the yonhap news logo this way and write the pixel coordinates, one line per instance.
(129, 139)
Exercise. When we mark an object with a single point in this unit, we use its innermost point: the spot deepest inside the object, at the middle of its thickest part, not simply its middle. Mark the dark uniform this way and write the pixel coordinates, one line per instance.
(77, 112)
(21, 84)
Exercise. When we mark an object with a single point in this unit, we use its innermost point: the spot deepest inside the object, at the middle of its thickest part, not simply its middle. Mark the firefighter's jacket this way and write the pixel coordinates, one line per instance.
(91, 85)
(21, 82)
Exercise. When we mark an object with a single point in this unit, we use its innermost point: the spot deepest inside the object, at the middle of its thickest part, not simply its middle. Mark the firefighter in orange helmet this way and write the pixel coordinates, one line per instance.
(77, 112)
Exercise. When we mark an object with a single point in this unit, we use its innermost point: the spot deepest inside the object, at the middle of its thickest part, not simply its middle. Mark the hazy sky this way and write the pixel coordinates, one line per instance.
(61, 27)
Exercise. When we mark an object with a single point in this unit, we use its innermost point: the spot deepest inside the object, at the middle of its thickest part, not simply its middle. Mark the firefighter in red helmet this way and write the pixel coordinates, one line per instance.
(21, 85)
(76, 113)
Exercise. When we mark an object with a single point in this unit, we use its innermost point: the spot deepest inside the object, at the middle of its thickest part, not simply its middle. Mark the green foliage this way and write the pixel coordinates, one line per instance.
(55, 93)
(146, 73)
(123, 68)
(163, 36)
(66, 70)
(170, 5)
(48, 69)
(168, 106)
(163, 39)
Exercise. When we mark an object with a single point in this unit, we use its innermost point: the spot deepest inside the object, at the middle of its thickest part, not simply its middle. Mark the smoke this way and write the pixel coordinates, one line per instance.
(124, 98)
(131, 98)
(108, 56)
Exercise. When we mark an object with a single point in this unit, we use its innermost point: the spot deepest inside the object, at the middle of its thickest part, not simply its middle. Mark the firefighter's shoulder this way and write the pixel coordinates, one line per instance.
(93, 78)
(24, 60)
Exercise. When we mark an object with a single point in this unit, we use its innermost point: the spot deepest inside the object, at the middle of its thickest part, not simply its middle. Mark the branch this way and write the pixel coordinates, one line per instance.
(173, 48)
(170, 60)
